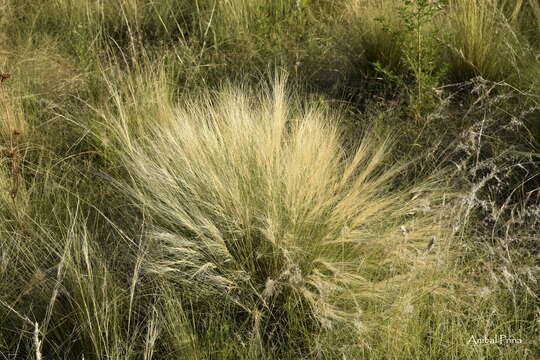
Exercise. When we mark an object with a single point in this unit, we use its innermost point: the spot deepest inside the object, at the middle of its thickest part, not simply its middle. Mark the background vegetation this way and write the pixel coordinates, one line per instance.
(249, 179)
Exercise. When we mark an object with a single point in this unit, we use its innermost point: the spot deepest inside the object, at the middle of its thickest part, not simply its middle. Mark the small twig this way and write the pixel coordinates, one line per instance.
(37, 342)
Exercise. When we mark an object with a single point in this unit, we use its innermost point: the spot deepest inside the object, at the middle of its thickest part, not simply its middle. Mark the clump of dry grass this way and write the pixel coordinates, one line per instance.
(484, 40)
(256, 207)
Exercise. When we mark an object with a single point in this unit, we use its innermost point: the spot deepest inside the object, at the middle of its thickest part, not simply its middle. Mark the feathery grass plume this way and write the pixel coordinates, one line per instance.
(259, 214)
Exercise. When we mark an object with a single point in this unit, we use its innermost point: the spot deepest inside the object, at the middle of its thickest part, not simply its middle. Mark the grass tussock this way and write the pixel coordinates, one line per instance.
(255, 198)
(481, 30)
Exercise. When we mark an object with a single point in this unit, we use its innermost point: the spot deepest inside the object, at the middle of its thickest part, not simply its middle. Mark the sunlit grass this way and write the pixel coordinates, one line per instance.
(160, 200)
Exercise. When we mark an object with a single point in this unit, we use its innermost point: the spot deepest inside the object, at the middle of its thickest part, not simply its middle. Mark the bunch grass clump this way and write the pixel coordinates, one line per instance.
(256, 207)
(484, 40)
